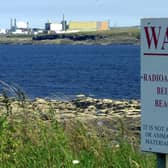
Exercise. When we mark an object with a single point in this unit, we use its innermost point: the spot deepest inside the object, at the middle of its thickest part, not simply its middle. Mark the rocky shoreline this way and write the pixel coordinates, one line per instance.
(107, 41)
(114, 115)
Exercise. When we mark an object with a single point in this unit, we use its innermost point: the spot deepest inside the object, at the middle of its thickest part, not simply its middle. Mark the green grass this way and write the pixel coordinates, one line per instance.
(35, 143)
(28, 141)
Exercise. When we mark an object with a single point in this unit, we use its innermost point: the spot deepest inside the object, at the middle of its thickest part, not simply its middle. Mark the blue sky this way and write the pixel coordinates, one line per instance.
(118, 12)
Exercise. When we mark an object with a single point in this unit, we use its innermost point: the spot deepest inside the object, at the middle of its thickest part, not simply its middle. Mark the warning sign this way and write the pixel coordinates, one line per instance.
(154, 85)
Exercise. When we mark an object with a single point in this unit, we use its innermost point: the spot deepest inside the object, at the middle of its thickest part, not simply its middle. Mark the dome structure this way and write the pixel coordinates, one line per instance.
(21, 25)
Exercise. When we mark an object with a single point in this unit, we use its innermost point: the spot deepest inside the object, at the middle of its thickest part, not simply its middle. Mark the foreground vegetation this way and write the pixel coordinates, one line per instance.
(130, 35)
(31, 141)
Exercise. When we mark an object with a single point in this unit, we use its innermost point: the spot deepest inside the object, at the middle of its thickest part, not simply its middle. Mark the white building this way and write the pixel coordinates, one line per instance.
(22, 25)
(2, 31)
(19, 27)
(36, 31)
(55, 27)
(20, 31)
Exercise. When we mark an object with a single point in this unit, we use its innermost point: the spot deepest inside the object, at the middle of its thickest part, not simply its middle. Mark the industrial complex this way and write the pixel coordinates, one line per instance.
(21, 27)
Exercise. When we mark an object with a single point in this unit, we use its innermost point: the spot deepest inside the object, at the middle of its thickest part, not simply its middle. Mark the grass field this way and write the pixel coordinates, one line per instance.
(30, 141)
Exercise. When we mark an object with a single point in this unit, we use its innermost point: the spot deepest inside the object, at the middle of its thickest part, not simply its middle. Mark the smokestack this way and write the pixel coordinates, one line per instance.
(63, 18)
(63, 23)
(15, 23)
(11, 23)
(27, 25)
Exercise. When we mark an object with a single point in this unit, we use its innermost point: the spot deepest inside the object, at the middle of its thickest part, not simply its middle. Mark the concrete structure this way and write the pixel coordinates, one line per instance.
(3, 31)
(104, 25)
(88, 26)
(36, 31)
(12, 25)
(19, 27)
(55, 27)
(20, 31)
(22, 25)
(82, 26)
(64, 24)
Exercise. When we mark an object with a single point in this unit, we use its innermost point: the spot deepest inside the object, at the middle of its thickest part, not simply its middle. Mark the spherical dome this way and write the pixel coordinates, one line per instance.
(21, 25)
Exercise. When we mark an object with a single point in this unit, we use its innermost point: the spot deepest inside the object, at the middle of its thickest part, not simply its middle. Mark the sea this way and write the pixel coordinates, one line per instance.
(64, 71)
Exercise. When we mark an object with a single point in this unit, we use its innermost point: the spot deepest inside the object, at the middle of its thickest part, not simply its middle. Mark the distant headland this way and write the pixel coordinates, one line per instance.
(117, 35)
(72, 32)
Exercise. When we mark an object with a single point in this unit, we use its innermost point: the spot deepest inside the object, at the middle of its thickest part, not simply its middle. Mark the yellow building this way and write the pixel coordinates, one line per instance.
(103, 25)
(88, 26)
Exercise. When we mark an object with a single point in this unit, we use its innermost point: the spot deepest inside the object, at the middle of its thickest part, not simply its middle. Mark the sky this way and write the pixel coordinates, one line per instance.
(118, 12)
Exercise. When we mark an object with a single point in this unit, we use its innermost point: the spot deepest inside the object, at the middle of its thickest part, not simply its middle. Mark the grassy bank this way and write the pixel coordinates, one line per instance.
(36, 138)
(28, 142)
(130, 35)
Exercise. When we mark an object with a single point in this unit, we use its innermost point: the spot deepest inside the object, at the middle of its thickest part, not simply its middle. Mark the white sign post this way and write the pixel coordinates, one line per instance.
(154, 85)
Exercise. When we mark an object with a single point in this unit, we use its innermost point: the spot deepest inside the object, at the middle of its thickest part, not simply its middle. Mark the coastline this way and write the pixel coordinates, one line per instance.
(28, 41)
(77, 128)
(111, 114)
(114, 36)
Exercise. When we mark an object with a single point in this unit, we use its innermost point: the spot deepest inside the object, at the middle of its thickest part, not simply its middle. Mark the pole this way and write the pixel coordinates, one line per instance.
(161, 160)
(166, 160)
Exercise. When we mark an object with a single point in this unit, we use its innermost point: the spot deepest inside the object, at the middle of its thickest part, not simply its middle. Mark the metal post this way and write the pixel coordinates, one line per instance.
(161, 160)
(166, 160)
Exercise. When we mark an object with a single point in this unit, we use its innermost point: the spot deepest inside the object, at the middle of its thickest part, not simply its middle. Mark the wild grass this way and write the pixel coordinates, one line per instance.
(28, 141)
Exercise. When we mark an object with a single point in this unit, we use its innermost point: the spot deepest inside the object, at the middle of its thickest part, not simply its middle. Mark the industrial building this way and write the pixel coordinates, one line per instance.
(89, 26)
(76, 26)
(3, 31)
(56, 27)
(53, 27)
(19, 27)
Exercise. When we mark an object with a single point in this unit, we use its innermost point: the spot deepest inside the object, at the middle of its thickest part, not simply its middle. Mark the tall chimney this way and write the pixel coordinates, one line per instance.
(11, 23)
(63, 23)
(15, 23)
